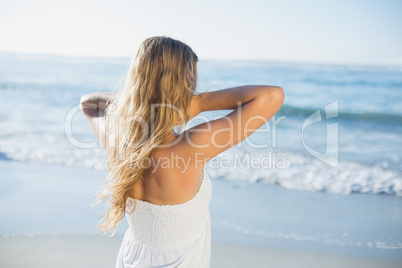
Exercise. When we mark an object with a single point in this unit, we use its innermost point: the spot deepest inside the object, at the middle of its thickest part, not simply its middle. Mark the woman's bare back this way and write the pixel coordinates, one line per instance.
(172, 179)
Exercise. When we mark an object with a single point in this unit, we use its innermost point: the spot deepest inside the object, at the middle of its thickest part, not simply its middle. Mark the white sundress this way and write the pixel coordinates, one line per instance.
(169, 235)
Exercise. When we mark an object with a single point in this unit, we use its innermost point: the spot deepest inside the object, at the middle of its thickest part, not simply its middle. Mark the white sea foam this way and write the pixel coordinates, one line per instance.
(50, 149)
(288, 169)
(309, 174)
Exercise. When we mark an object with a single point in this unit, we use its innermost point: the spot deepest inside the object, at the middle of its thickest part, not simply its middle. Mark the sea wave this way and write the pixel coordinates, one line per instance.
(353, 83)
(299, 172)
(369, 117)
(288, 169)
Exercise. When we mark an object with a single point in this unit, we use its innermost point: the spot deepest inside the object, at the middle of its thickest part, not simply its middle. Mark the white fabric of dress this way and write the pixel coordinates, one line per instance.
(169, 235)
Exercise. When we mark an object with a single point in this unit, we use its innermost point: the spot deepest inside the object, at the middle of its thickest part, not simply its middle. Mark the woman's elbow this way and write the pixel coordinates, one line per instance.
(280, 94)
(275, 94)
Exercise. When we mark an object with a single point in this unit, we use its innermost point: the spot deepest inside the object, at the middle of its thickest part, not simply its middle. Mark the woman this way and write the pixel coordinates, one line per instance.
(156, 175)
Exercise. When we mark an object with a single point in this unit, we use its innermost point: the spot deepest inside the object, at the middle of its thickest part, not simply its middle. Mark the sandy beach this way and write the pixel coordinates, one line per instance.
(93, 251)
(47, 221)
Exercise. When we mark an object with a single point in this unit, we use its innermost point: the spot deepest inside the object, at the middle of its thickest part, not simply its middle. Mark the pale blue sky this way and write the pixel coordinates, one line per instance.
(345, 31)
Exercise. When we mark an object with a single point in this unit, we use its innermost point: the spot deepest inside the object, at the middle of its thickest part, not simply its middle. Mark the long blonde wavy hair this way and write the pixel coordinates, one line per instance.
(156, 95)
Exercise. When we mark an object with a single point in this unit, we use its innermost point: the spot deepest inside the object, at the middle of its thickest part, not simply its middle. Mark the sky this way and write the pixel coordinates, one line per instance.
(320, 31)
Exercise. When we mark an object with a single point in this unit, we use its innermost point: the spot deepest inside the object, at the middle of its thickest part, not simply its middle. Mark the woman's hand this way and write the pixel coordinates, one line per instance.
(93, 107)
(97, 101)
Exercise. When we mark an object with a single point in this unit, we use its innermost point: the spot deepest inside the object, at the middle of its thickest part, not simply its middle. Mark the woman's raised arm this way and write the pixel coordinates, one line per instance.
(253, 106)
(97, 100)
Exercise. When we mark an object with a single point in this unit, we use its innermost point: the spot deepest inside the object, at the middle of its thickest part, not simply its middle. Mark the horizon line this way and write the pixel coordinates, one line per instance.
(206, 59)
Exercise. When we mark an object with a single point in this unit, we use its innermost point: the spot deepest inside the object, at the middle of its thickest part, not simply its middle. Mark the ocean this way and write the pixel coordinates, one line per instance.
(358, 150)
(338, 134)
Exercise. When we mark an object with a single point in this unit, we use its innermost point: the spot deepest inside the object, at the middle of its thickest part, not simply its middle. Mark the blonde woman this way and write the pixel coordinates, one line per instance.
(157, 177)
